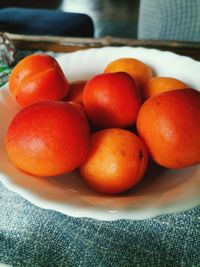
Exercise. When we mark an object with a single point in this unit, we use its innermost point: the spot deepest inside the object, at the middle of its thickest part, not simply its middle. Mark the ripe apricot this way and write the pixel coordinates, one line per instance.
(48, 138)
(140, 71)
(158, 85)
(80, 110)
(116, 161)
(76, 91)
(37, 77)
(169, 125)
(112, 100)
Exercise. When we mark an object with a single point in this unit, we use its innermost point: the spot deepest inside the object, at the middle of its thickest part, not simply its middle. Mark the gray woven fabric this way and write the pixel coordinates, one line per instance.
(31, 236)
(169, 20)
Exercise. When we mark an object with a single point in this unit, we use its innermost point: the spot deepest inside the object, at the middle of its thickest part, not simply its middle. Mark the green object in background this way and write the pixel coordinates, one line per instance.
(2, 68)
(4, 74)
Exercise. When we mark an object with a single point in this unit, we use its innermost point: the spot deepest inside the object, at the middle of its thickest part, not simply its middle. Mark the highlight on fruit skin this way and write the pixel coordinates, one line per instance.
(140, 71)
(112, 100)
(37, 77)
(48, 138)
(169, 125)
(116, 161)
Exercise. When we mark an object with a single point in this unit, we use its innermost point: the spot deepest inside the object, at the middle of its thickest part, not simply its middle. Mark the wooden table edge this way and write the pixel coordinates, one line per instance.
(70, 44)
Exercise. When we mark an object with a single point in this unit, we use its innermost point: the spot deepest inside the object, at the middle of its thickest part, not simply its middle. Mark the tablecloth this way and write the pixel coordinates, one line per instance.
(31, 236)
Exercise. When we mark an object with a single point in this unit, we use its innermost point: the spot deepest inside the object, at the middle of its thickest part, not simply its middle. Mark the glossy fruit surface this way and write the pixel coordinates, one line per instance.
(112, 100)
(37, 77)
(116, 161)
(169, 125)
(140, 71)
(158, 85)
(48, 138)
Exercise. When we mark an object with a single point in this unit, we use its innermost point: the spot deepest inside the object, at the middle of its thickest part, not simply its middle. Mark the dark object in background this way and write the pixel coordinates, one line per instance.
(49, 4)
(45, 22)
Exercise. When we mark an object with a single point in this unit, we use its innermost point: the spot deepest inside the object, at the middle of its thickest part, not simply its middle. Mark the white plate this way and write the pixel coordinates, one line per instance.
(161, 191)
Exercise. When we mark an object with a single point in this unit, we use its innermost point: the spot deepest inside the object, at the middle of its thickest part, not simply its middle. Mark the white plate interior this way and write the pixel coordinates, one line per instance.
(161, 191)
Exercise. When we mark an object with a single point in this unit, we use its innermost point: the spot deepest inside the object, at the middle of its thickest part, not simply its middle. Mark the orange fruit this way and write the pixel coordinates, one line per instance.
(158, 85)
(112, 100)
(76, 91)
(37, 77)
(48, 138)
(140, 71)
(169, 125)
(116, 161)
(81, 111)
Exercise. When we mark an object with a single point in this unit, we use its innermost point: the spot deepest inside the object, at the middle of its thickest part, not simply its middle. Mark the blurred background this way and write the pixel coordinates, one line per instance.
(175, 20)
(116, 18)
(111, 17)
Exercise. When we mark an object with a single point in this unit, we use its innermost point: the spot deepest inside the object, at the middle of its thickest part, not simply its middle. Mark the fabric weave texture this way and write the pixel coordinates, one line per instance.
(31, 236)
(177, 20)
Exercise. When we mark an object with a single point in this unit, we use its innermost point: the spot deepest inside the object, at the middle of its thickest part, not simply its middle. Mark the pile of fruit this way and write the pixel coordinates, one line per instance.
(106, 127)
